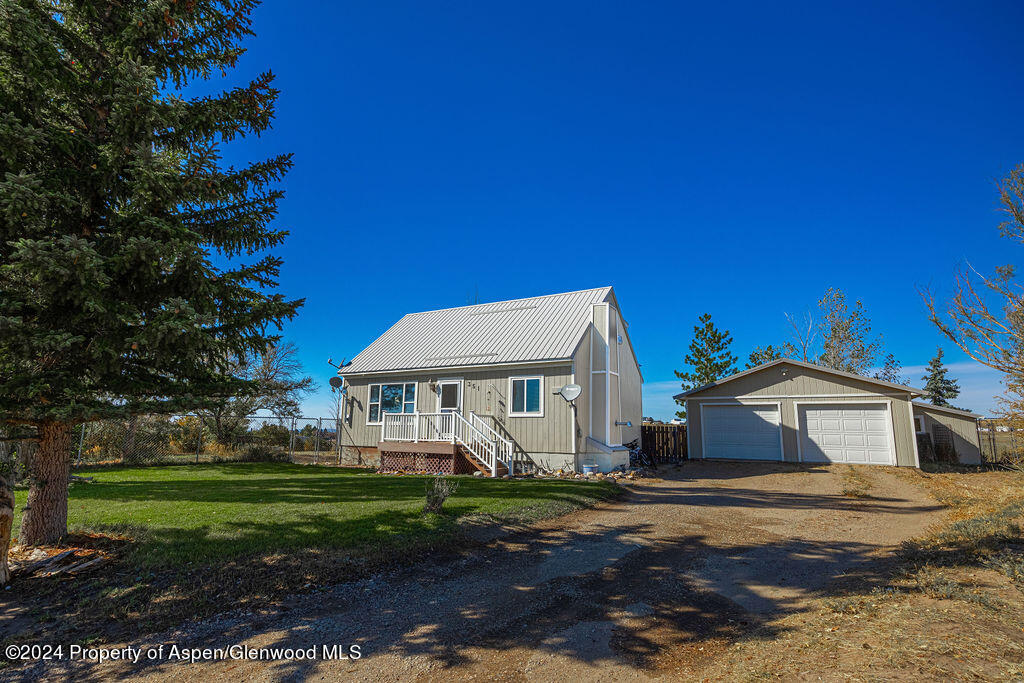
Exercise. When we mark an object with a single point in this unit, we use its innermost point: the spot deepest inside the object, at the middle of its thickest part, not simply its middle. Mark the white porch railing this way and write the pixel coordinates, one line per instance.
(418, 427)
(483, 443)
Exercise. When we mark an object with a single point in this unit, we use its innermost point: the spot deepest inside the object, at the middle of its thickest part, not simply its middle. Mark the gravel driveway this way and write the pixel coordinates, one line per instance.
(652, 586)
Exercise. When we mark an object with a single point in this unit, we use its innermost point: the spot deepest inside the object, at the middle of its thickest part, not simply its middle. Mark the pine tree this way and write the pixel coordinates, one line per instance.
(892, 371)
(761, 355)
(938, 388)
(133, 265)
(845, 333)
(709, 357)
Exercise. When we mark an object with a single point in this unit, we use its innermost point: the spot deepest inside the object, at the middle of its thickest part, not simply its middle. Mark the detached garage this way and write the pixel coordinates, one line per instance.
(792, 411)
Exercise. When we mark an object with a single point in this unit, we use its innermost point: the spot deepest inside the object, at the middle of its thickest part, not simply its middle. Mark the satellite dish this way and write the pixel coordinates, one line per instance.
(335, 382)
(571, 392)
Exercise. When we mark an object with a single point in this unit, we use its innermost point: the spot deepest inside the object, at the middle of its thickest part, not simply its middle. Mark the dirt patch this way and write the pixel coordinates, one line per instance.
(950, 609)
(662, 584)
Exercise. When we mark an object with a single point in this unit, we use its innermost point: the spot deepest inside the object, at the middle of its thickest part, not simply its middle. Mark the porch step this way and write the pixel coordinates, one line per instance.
(502, 470)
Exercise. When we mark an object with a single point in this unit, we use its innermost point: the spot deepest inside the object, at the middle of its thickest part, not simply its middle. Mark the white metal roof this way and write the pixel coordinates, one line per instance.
(541, 328)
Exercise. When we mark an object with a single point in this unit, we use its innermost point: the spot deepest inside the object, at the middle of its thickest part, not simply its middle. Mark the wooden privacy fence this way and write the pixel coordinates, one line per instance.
(664, 442)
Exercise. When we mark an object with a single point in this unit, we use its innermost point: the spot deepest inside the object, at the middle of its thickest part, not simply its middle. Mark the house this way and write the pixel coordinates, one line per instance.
(488, 387)
(800, 412)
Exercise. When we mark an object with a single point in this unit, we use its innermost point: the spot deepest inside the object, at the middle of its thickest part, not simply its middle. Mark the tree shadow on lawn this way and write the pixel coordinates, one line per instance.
(169, 574)
(252, 484)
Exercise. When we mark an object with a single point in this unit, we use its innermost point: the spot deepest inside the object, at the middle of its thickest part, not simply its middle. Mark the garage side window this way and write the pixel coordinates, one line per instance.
(527, 398)
(919, 424)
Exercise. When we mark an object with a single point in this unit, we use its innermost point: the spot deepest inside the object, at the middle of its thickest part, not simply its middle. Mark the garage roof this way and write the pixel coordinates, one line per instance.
(541, 328)
(801, 364)
(947, 409)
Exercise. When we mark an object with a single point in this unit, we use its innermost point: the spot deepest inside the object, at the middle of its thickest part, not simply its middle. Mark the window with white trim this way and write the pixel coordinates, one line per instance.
(526, 398)
(390, 398)
(919, 421)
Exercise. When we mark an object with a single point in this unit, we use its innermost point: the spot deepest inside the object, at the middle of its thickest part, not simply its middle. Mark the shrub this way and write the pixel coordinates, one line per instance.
(438, 490)
(258, 453)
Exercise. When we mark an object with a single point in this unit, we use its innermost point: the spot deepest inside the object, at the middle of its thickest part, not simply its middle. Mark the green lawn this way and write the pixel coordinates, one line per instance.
(207, 513)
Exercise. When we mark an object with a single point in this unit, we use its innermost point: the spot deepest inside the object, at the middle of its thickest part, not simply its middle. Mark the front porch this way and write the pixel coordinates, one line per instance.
(426, 456)
(446, 442)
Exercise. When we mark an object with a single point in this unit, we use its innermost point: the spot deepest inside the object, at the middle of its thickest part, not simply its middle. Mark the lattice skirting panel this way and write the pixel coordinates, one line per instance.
(426, 462)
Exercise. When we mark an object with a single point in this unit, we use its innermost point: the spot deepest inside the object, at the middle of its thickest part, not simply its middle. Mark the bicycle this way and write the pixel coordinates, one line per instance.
(637, 456)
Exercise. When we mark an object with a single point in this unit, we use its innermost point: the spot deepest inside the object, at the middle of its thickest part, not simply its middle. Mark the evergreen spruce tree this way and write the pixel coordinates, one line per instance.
(133, 264)
(939, 389)
(709, 357)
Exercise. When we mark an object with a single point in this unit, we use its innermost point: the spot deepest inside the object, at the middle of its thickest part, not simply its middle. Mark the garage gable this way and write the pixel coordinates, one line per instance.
(795, 378)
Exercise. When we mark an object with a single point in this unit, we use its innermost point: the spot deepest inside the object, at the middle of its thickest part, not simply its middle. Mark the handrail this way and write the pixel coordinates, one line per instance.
(506, 454)
(489, 428)
(484, 449)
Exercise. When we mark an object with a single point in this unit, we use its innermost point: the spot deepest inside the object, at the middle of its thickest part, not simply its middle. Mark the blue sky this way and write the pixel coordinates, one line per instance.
(731, 158)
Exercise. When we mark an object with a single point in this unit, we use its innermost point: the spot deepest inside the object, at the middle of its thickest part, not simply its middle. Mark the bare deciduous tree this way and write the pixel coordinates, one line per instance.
(279, 385)
(804, 335)
(985, 316)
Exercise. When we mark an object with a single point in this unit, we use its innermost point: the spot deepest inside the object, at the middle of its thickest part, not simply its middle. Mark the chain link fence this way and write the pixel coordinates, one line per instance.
(1001, 443)
(148, 439)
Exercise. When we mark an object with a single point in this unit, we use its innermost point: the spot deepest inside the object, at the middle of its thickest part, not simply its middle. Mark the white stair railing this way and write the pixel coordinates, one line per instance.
(479, 445)
(504, 451)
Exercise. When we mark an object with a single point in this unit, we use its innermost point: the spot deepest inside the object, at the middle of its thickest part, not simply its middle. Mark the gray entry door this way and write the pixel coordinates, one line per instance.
(449, 396)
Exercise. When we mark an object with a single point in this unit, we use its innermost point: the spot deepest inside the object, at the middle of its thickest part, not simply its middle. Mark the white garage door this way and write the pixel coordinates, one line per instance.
(743, 432)
(855, 433)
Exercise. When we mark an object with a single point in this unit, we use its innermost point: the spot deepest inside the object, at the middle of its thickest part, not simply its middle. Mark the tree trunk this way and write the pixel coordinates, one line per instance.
(6, 522)
(46, 513)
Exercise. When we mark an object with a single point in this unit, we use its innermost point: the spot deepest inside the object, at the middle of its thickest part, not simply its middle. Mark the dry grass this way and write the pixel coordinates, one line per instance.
(855, 483)
(949, 606)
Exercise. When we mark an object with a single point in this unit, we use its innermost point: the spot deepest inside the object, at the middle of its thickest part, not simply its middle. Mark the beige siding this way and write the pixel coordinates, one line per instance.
(484, 392)
(966, 441)
(581, 366)
(631, 387)
(622, 392)
(791, 385)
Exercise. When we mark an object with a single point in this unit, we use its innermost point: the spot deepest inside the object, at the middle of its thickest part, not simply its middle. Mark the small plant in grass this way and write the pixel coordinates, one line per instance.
(855, 483)
(438, 490)
(936, 584)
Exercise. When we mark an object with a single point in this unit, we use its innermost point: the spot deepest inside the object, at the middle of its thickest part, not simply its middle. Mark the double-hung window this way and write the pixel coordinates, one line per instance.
(390, 398)
(526, 397)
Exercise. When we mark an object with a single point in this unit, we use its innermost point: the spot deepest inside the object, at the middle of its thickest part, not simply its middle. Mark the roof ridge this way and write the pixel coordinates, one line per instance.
(509, 301)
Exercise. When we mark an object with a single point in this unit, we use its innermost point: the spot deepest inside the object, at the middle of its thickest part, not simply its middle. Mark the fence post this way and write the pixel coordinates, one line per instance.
(291, 442)
(199, 437)
(992, 440)
(337, 437)
(316, 441)
(81, 441)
